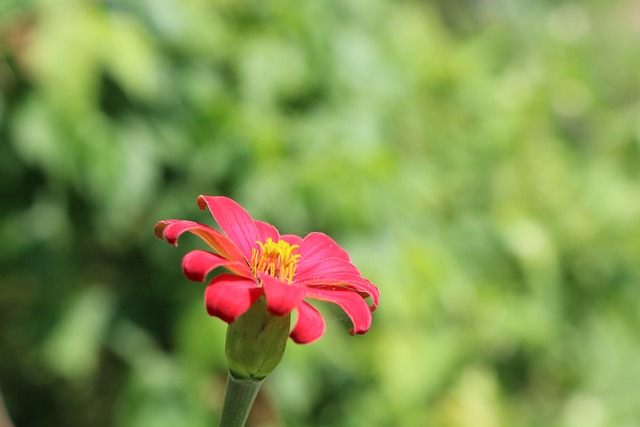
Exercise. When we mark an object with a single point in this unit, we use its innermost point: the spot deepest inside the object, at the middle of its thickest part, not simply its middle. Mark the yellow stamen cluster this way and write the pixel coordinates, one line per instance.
(276, 259)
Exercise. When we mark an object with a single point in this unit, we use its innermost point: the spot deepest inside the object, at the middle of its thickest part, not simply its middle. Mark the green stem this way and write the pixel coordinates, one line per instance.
(238, 400)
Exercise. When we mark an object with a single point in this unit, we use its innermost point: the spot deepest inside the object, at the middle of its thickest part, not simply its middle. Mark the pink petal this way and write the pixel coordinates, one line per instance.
(337, 272)
(172, 229)
(309, 326)
(281, 297)
(325, 268)
(228, 297)
(236, 223)
(266, 230)
(316, 247)
(352, 304)
(358, 284)
(292, 239)
(197, 264)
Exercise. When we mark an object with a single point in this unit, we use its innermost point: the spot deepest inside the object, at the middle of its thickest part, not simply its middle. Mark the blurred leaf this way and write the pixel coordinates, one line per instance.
(73, 348)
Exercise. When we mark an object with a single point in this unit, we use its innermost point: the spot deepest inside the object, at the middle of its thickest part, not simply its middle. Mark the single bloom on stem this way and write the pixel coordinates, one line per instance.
(269, 276)
(281, 272)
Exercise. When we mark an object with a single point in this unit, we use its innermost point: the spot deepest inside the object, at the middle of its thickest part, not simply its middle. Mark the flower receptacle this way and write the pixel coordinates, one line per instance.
(256, 342)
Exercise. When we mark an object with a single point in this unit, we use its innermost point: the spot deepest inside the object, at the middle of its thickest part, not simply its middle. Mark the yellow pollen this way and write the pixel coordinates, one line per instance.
(276, 259)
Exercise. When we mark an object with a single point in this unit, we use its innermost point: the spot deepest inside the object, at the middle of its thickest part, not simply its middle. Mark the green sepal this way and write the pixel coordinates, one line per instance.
(256, 342)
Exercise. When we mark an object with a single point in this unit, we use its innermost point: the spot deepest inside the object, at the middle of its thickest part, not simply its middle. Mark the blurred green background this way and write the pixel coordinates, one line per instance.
(478, 158)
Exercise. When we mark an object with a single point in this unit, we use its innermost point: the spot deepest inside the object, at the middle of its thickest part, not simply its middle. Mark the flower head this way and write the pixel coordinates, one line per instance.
(286, 269)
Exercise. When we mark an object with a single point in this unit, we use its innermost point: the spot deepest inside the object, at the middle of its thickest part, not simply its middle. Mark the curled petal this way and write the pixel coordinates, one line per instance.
(172, 229)
(358, 284)
(309, 326)
(158, 230)
(315, 248)
(236, 223)
(338, 272)
(197, 264)
(281, 297)
(228, 297)
(352, 304)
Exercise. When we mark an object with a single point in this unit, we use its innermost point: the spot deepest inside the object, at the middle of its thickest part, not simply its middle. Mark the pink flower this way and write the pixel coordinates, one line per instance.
(287, 269)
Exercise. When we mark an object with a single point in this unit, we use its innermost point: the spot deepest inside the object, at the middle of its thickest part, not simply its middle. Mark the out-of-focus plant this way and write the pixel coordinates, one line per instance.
(479, 164)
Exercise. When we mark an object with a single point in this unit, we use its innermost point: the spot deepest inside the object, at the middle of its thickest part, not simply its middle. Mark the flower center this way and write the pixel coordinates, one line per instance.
(276, 259)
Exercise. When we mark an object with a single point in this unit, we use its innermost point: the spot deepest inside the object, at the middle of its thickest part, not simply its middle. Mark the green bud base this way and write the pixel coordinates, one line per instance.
(256, 342)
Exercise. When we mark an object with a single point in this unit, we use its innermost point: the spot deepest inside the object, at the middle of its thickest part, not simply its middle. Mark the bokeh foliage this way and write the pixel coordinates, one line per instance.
(479, 160)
